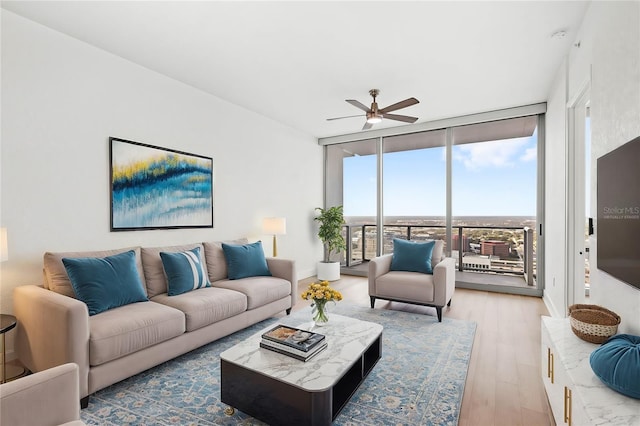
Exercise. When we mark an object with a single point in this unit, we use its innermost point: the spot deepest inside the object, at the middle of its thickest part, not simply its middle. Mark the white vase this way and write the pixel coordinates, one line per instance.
(329, 271)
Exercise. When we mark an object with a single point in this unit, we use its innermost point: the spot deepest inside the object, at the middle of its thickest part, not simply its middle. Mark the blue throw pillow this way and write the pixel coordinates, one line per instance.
(105, 283)
(184, 270)
(411, 256)
(245, 260)
(617, 364)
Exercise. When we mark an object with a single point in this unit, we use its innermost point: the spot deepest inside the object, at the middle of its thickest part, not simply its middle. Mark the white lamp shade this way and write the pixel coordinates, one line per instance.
(4, 245)
(274, 225)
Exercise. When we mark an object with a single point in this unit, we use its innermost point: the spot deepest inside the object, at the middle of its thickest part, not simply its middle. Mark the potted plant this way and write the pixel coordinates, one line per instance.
(330, 233)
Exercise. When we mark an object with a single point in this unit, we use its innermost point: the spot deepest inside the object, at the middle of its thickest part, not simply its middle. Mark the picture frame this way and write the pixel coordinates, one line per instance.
(158, 188)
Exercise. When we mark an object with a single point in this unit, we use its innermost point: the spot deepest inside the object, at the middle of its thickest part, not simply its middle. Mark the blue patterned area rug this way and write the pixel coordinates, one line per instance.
(418, 381)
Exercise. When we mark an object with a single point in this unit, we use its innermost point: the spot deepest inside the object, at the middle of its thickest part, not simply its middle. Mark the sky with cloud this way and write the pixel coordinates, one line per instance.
(496, 178)
(495, 155)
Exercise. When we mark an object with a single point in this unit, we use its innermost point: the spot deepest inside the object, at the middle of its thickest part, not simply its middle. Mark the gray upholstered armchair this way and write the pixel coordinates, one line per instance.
(414, 287)
(47, 398)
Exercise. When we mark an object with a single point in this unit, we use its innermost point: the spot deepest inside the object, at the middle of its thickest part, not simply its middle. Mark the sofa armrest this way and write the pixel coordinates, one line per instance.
(50, 397)
(52, 329)
(285, 269)
(378, 266)
(444, 281)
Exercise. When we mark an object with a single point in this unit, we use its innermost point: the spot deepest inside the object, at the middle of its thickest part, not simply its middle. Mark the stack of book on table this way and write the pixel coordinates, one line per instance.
(291, 341)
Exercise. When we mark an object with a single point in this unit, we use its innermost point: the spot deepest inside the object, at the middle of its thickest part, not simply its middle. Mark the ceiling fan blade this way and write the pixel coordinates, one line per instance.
(399, 105)
(367, 126)
(348, 116)
(358, 104)
(405, 118)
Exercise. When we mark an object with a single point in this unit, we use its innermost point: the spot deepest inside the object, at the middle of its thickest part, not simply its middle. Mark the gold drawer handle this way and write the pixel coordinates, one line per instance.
(567, 406)
(550, 364)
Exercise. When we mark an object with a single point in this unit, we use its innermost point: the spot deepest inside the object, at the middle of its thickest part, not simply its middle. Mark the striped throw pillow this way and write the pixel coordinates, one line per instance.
(184, 271)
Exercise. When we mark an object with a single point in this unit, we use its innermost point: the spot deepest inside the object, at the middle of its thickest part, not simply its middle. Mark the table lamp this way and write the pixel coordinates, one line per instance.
(274, 226)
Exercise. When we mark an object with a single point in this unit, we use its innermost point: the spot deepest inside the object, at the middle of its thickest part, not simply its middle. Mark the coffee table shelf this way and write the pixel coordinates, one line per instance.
(278, 389)
(350, 382)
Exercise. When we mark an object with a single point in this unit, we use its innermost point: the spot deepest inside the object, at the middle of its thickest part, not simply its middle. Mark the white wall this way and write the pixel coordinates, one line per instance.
(62, 99)
(616, 120)
(555, 197)
(608, 56)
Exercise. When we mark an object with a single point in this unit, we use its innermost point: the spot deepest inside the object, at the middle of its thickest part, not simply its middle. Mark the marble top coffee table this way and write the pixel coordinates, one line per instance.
(281, 390)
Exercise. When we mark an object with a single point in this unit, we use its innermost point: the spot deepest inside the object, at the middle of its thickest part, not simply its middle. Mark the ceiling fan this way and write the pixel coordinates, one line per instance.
(375, 115)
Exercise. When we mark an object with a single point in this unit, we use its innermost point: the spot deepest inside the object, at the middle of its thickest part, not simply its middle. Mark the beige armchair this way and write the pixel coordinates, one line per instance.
(414, 287)
(48, 398)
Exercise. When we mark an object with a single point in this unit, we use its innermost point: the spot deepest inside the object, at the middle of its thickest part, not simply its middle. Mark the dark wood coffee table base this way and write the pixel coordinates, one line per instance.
(278, 403)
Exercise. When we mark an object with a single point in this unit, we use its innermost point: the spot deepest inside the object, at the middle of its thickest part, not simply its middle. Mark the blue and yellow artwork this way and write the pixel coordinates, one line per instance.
(153, 187)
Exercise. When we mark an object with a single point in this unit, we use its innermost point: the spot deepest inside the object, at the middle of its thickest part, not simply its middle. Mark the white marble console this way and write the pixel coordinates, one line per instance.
(576, 395)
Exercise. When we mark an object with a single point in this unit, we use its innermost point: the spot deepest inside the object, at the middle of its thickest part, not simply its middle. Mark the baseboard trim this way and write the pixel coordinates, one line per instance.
(550, 306)
(306, 274)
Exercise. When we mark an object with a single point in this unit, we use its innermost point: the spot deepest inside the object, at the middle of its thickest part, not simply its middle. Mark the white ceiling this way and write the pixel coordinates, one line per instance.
(297, 62)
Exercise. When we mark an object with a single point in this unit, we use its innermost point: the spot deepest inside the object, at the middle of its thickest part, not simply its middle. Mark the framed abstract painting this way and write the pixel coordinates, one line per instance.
(159, 188)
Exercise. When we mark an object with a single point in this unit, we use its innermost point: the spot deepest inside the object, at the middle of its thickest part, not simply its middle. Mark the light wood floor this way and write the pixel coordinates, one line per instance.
(503, 385)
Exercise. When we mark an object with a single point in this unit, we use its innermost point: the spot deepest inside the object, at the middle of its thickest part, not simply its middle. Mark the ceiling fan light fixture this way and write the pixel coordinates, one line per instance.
(375, 115)
(373, 118)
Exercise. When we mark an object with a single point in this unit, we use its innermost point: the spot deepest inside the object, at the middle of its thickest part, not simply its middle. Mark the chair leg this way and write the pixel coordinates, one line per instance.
(288, 311)
(373, 301)
(439, 311)
(84, 402)
(449, 304)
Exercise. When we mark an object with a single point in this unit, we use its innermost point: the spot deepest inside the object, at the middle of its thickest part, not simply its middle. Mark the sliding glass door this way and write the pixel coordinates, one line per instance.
(494, 197)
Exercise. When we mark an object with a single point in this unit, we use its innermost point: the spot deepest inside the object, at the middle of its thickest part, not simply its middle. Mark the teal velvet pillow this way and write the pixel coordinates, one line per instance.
(245, 260)
(617, 364)
(411, 256)
(184, 271)
(105, 283)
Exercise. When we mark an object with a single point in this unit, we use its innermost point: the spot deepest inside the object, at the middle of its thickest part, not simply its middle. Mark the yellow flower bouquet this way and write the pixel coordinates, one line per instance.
(321, 293)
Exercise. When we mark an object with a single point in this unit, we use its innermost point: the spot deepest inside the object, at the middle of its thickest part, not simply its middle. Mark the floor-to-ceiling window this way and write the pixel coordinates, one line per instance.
(473, 185)
(352, 176)
(414, 187)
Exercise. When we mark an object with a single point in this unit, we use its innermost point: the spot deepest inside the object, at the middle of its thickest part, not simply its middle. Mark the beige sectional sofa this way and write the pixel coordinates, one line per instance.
(55, 328)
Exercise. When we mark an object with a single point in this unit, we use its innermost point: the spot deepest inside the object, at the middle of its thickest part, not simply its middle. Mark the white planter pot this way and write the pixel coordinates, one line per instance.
(328, 271)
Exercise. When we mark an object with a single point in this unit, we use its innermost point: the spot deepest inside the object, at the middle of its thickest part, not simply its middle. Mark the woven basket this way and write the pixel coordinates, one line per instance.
(593, 323)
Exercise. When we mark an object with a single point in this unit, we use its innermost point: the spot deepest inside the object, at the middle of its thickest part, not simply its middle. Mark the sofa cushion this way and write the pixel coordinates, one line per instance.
(152, 264)
(259, 290)
(214, 257)
(105, 283)
(412, 256)
(205, 306)
(185, 271)
(402, 285)
(245, 260)
(128, 329)
(55, 274)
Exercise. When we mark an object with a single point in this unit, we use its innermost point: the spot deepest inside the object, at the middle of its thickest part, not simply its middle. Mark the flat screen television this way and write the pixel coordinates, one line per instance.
(618, 225)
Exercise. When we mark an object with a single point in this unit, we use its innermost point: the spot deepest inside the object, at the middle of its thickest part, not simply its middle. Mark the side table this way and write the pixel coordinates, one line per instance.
(9, 372)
